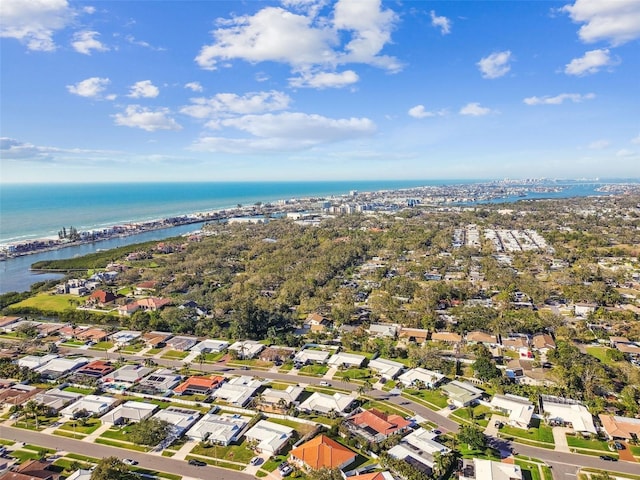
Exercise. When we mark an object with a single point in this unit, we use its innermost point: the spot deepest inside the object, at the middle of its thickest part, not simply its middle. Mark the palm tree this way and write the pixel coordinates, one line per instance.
(202, 357)
(282, 404)
(32, 408)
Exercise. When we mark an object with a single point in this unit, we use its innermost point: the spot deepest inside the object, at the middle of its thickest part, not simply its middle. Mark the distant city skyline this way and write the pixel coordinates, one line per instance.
(124, 91)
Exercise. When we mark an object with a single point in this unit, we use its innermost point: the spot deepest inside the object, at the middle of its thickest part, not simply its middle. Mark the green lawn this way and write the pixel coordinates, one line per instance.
(217, 462)
(76, 427)
(601, 354)
(542, 434)
(434, 397)
(580, 442)
(530, 471)
(80, 390)
(134, 348)
(235, 453)
(385, 407)
(49, 302)
(314, 370)
(129, 446)
(481, 414)
(154, 351)
(102, 346)
(354, 374)
(302, 428)
(175, 355)
(64, 433)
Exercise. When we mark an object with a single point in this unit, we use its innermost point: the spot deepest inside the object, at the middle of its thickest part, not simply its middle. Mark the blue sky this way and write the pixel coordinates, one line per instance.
(310, 90)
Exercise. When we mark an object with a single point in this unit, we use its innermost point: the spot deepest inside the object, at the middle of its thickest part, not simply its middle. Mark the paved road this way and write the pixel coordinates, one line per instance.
(563, 464)
(146, 460)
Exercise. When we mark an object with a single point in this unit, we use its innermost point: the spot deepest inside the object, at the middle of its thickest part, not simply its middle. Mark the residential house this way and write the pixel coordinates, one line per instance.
(46, 329)
(373, 476)
(128, 309)
(484, 338)
(584, 309)
(388, 330)
(323, 403)
(181, 419)
(419, 449)
(199, 385)
(34, 361)
(276, 398)
(156, 339)
(153, 304)
(415, 335)
(519, 409)
(417, 376)
(5, 321)
(247, 349)
(462, 394)
(32, 470)
(237, 391)
(18, 394)
(219, 429)
(94, 404)
(308, 356)
(128, 412)
(95, 369)
(182, 343)
(58, 367)
(480, 469)
(559, 410)
(346, 360)
(543, 342)
(146, 287)
(388, 369)
(56, 399)
(91, 334)
(125, 337)
(277, 354)
(101, 298)
(375, 425)
(160, 382)
(126, 376)
(620, 428)
(322, 452)
(210, 346)
(447, 337)
(317, 323)
(269, 437)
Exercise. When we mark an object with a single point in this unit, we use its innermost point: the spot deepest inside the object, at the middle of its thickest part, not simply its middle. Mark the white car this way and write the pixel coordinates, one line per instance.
(129, 461)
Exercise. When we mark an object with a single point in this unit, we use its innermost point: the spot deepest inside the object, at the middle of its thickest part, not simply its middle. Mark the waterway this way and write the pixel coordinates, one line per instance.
(16, 276)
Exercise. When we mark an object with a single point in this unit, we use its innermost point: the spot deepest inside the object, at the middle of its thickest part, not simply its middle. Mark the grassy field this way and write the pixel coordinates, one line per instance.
(234, 453)
(314, 370)
(481, 414)
(530, 471)
(354, 374)
(175, 355)
(49, 302)
(434, 397)
(102, 346)
(302, 428)
(75, 427)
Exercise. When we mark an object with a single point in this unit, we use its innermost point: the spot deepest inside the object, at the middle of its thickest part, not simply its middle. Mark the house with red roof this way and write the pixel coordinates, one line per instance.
(376, 425)
(101, 298)
(153, 303)
(322, 452)
(199, 385)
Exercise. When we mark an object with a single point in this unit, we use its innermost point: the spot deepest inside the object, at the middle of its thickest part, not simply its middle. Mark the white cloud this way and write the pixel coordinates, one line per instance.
(420, 112)
(441, 22)
(225, 104)
(194, 86)
(495, 65)
(90, 10)
(474, 109)
(133, 41)
(12, 149)
(616, 21)
(624, 152)
(143, 89)
(286, 132)
(150, 120)
(85, 41)
(599, 144)
(559, 99)
(590, 63)
(356, 33)
(322, 80)
(90, 88)
(34, 22)
(636, 140)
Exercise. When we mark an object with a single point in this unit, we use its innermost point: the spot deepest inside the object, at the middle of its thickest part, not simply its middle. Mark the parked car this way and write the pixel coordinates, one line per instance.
(197, 463)
(608, 458)
(325, 384)
(498, 425)
(256, 461)
(618, 445)
(129, 461)
(452, 407)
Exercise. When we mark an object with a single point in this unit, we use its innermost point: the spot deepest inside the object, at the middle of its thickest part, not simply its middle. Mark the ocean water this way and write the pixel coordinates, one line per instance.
(38, 211)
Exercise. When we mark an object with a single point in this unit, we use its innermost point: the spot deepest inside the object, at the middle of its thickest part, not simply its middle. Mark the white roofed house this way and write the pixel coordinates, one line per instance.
(130, 411)
(246, 349)
(386, 368)
(210, 346)
(346, 360)
(237, 391)
(34, 361)
(94, 404)
(566, 410)
(311, 356)
(480, 469)
(126, 376)
(59, 367)
(415, 376)
(419, 449)
(323, 403)
(180, 419)
(462, 394)
(218, 429)
(56, 399)
(383, 330)
(277, 398)
(269, 437)
(519, 409)
(125, 337)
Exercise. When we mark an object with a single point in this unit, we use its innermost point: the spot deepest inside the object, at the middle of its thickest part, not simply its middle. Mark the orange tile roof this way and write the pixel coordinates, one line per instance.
(369, 476)
(620, 427)
(383, 423)
(206, 382)
(322, 452)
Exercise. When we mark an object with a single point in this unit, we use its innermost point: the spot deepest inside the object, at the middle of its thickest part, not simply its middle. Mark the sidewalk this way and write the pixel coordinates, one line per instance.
(330, 373)
(185, 450)
(96, 433)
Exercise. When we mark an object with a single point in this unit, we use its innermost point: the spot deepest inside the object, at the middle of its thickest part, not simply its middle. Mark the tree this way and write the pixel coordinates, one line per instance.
(485, 369)
(112, 468)
(150, 431)
(472, 436)
(325, 474)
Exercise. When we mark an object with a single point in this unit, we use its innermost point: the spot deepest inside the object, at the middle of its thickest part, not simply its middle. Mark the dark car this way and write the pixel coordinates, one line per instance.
(618, 446)
(608, 458)
(197, 463)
